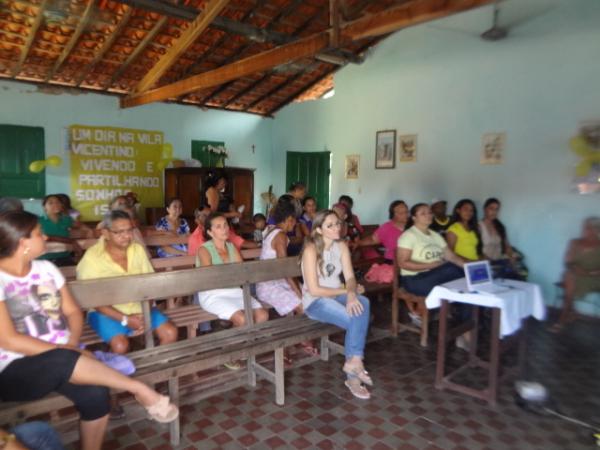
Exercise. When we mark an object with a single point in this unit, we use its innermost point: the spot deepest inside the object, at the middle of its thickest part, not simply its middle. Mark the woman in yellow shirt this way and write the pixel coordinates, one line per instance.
(463, 235)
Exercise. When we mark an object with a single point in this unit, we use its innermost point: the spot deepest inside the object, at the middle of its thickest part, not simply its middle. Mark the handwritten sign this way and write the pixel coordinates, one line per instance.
(107, 162)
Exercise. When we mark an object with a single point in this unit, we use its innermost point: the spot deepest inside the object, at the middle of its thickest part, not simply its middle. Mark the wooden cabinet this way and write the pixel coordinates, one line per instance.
(187, 183)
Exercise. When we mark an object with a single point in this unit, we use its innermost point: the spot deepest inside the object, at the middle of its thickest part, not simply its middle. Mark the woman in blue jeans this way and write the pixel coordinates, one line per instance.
(324, 258)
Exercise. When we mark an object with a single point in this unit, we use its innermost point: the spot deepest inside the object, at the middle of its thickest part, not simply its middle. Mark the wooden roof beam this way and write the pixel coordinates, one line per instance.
(139, 49)
(87, 14)
(256, 63)
(110, 39)
(39, 18)
(406, 15)
(196, 28)
(340, 56)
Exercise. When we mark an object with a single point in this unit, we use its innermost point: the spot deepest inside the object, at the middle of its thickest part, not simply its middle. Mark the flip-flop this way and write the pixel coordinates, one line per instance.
(556, 328)
(358, 390)
(233, 365)
(361, 374)
(163, 410)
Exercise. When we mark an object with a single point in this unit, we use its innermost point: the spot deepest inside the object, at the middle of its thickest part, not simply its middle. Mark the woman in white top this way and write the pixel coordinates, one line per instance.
(324, 258)
(493, 232)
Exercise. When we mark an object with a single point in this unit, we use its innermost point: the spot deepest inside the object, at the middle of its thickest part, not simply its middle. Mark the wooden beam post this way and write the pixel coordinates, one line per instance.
(195, 29)
(139, 49)
(334, 24)
(256, 63)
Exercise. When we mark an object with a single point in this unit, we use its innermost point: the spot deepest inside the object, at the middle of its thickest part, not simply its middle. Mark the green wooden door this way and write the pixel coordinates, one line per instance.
(19, 146)
(312, 168)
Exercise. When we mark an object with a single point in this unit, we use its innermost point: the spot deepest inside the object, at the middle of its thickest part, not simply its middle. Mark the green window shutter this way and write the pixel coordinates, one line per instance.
(201, 153)
(19, 146)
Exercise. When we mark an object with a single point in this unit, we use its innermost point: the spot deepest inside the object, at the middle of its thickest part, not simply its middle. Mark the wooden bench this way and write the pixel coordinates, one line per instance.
(188, 316)
(170, 362)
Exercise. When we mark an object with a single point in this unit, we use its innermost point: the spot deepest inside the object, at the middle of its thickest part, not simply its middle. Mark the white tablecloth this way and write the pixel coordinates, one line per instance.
(519, 300)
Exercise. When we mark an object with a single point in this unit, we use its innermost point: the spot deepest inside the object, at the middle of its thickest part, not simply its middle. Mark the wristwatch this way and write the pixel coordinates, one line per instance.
(125, 320)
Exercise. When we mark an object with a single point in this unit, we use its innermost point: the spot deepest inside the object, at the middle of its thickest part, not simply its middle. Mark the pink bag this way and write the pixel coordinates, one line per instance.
(380, 273)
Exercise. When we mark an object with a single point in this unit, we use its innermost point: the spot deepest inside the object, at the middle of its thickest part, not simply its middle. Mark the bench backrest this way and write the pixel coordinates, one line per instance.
(152, 286)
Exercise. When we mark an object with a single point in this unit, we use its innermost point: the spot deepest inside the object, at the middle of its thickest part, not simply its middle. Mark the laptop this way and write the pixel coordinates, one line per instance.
(479, 277)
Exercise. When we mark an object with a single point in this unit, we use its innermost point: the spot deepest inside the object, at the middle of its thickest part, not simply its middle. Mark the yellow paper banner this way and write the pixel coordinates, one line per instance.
(108, 161)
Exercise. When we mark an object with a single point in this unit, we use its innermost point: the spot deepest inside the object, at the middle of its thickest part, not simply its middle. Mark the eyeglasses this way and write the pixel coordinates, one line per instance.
(122, 232)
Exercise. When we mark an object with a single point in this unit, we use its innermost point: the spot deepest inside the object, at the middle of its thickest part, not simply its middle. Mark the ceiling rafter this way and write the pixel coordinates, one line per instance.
(195, 29)
(245, 91)
(374, 25)
(30, 37)
(244, 48)
(107, 44)
(232, 26)
(194, 66)
(87, 14)
(139, 49)
(256, 63)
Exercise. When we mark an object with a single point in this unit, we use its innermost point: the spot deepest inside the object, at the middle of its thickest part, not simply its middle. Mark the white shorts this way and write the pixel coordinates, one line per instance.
(224, 302)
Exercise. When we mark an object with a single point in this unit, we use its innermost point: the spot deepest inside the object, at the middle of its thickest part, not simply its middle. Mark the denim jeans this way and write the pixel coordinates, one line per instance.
(423, 282)
(37, 436)
(333, 310)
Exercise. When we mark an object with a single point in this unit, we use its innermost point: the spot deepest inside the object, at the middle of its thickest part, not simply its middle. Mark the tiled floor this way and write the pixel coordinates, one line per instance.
(406, 411)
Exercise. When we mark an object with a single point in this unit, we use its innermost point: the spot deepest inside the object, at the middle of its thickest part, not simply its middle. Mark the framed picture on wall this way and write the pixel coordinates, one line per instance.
(408, 147)
(385, 149)
(352, 165)
(492, 148)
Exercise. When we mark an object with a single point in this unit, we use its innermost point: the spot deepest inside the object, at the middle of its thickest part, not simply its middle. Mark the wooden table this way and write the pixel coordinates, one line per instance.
(519, 301)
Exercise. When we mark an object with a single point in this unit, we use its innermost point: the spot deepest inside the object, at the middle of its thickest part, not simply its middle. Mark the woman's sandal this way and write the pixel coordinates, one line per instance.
(359, 373)
(357, 389)
(163, 410)
(233, 365)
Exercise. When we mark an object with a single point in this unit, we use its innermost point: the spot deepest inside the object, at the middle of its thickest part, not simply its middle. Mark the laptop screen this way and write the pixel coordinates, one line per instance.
(478, 273)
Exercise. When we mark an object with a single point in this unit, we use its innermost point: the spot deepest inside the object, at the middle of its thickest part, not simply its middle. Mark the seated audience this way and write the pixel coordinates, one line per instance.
(284, 295)
(324, 258)
(68, 209)
(441, 221)
(10, 204)
(424, 257)
(172, 223)
(260, 223)
(582, 262)
(309, 206)
(354, 226)
(197, 237)
(227, 303)
(56, 226)
(39, 343)
(463, 234)
(215, 197)
(296, 237)
(495, 245)
(297, 192)
(389, 233)
(116, 254)
(342, 213)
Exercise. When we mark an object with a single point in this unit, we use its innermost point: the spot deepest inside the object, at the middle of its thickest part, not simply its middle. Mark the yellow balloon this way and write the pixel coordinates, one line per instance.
(37, 166)
(583, 168)
(167, 151)
(580, 146)
(54, 161)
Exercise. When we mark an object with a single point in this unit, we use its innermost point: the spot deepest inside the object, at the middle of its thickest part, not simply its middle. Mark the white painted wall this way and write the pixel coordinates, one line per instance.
(442, 82)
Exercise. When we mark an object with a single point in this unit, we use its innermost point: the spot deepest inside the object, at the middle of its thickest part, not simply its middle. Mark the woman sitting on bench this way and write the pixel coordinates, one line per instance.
(41, 325)
(226, 303)
(324, 258)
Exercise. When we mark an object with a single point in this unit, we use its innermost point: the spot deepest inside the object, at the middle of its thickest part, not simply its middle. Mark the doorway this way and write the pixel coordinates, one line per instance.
(312, 168)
